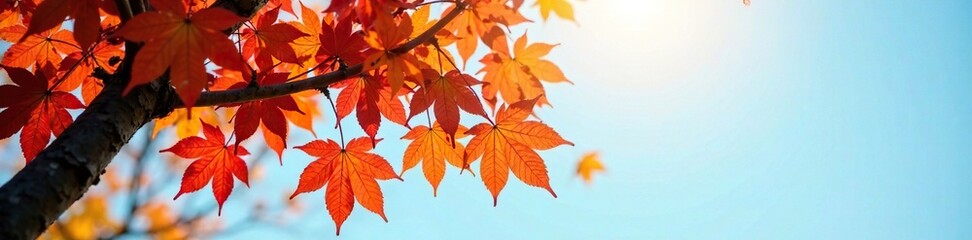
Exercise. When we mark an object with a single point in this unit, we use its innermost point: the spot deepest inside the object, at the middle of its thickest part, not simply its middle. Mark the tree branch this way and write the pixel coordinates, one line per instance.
(60, 174)
(315, 82)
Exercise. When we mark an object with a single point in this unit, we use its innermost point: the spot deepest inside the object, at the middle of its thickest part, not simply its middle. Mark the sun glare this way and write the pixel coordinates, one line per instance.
(668, 37)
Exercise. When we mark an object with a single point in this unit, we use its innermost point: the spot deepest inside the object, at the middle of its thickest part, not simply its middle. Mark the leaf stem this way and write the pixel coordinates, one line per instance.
(340, 129)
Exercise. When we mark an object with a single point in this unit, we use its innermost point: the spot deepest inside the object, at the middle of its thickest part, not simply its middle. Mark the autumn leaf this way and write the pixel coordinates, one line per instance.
(270, 39)
(16, 12)
(433, 147)
(32, 106)
(87, 19)
(349, 174)
(517, 77)
(268, 113)
(186, 122)
(338, 40)
(90, 88)
(385, 37)
(307, 110)
(509, 145)
(589, 164)
(447, 94)
(562, 8)
(180, 43)
(370, 99)
(88, 220)
(477, 20)
(285, 5)
(78, 66)
(215, 161)
(160, 216)
(42, 48)
(366, 10)
(306, 47)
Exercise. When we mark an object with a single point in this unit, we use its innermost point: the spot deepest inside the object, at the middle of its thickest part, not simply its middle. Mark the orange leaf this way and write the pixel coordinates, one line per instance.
(504, 147)
(269, 38)
(478, 19)
(433, 147)
(180, 43)
(517, 77)
(349, 174)
(588, 165)
(79, 65)
(186, 123)
(385, 37)
(216, 161)
(42, 48)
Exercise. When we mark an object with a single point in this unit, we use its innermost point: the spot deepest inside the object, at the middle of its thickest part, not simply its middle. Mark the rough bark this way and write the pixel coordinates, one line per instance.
(37, 195)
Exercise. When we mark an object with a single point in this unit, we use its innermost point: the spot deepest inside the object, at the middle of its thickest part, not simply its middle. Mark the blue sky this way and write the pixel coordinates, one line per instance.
(786, 119)
(783, 120)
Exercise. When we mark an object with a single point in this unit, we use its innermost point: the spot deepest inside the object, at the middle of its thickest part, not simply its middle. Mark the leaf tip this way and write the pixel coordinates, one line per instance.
(549, 189)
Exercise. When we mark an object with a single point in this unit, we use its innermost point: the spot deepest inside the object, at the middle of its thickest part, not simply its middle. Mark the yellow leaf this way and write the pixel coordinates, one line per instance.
(588, 165)
(562, 8)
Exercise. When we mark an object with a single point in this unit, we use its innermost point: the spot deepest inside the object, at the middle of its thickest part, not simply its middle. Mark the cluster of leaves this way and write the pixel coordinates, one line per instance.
(394, 51)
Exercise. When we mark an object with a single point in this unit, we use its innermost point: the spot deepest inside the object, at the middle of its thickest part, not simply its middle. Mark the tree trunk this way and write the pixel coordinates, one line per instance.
(37, 195)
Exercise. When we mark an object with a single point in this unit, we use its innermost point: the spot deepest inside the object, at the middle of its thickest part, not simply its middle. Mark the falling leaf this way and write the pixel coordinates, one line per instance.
(589, 164)
(562, 8)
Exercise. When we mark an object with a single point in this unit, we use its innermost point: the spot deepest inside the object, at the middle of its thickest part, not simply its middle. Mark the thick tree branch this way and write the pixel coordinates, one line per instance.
(263, 92)
(37, 195)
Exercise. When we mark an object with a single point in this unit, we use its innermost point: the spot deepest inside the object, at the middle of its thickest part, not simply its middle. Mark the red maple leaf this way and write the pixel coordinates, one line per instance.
(31, 105)
(87, 18)
(269, 112)
(448, 94)
(216, 161)
(340, 41)
(371, 99)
